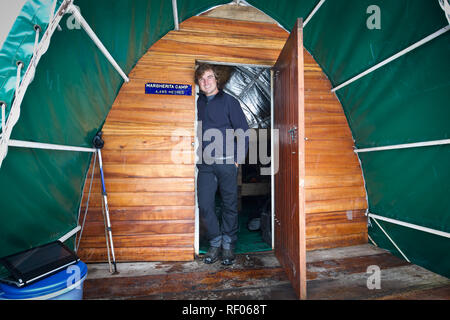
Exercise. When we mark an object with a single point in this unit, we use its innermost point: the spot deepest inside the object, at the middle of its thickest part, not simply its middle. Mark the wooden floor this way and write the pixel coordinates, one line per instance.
(337, 274)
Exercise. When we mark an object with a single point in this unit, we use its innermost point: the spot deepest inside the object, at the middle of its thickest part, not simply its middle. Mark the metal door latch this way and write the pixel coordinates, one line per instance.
(293, 133)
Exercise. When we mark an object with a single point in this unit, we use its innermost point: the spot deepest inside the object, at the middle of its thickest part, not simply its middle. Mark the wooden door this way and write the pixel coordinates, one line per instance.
(290, 246)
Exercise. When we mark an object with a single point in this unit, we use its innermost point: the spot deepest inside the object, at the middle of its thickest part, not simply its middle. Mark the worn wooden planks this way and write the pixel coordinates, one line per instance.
(234, 27)
(335, 274)
(142, 213)
(334, 186)
(149, 159)
(137, 251)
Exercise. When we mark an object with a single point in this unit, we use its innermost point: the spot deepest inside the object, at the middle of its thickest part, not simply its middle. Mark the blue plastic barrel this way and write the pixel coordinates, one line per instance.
(66, 284)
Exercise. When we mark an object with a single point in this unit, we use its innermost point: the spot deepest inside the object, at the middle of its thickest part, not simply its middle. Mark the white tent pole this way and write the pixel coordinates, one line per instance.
(86, 207)
(374, 243)
(14, 112)
(3, 116)
(406, 258)
(406, 145)
(316, 8)
(175, 14)
(410, 225)
(52, 12)
(394, 57)
(72, 9)
(37, 28)
(69, 234)
(19, 73)
(47, 146)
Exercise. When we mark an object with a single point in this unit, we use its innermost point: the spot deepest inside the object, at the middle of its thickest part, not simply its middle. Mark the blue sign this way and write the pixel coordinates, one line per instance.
(168, 88)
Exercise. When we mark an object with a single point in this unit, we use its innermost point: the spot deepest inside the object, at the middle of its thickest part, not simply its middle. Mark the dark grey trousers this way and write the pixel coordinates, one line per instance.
(224, 176)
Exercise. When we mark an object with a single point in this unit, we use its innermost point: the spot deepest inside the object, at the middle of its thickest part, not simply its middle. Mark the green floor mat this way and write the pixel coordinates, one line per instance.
(248, 241)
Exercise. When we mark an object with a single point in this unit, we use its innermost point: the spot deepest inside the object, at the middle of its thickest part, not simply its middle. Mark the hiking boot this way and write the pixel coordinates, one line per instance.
(212, 255)
(228, 257)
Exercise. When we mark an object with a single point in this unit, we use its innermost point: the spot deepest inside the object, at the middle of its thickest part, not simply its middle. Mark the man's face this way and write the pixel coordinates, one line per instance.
(208, 83)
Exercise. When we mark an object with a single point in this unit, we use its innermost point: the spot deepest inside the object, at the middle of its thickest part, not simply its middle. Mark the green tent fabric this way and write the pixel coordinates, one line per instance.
(74, 88)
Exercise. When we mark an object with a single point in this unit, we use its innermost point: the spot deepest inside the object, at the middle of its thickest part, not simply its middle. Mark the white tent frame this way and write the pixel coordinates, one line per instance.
(68, 7)
(313, 12)
(405, 146)
(22, 84)
(410, 225)
(394, 57)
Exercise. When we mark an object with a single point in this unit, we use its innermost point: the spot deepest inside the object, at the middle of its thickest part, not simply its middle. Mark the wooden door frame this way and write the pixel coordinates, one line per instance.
(272, 179)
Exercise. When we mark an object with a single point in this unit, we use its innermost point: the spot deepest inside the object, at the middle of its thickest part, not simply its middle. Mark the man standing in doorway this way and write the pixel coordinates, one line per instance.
(218, 114)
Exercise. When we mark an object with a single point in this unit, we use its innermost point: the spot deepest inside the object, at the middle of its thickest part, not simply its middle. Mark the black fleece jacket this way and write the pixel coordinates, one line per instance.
(221, 113)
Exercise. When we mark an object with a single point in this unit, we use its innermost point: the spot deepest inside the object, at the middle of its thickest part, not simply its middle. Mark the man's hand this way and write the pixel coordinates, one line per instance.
(237, 166)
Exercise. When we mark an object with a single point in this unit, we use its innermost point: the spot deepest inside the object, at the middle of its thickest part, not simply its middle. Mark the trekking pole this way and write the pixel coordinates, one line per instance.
(98, 144)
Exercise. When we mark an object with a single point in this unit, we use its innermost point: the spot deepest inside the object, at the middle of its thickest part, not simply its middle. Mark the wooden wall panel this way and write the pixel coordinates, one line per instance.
(334, 186)
(151, 197)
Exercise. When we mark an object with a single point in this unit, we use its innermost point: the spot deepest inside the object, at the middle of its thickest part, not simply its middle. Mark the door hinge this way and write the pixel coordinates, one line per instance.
(276, 73)
(278, 222)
